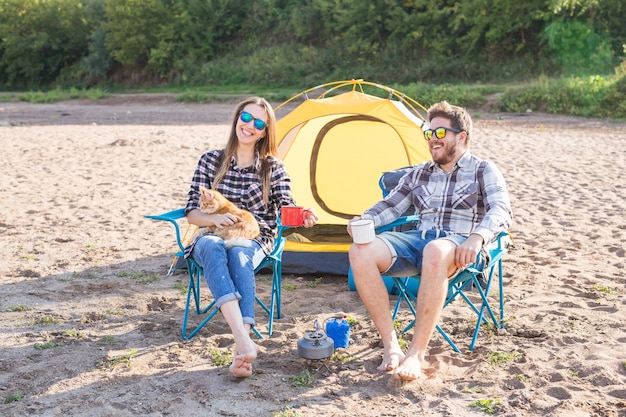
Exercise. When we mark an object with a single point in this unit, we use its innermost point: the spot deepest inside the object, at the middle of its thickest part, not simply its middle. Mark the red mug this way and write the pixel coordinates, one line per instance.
(292, 215)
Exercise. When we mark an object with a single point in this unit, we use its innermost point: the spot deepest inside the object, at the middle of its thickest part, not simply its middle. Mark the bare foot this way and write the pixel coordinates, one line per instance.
(391, 360)
(240, 368)
(242, 363)
(410, 368)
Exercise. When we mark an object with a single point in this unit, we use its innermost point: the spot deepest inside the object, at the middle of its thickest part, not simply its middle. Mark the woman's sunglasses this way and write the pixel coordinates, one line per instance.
(440, 132)
(247, 117)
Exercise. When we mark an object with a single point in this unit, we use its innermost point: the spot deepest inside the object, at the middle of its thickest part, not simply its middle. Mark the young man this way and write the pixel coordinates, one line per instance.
(462, 203)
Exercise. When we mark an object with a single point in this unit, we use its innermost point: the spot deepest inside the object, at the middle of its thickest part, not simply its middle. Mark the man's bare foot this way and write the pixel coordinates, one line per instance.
(410, 368)
(391, 360)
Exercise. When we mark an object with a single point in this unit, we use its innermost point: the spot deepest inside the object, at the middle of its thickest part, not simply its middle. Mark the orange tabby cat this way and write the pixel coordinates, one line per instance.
(238, 234)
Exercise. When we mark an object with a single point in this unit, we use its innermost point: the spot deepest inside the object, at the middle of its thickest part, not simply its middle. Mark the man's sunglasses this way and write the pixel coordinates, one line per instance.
(440, 132)
(247, 117)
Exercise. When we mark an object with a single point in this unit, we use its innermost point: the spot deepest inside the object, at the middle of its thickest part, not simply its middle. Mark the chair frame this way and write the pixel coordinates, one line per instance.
(195, 273)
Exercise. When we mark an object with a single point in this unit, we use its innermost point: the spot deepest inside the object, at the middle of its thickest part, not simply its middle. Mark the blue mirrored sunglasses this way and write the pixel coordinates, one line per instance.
(440, 132)
(247, 117)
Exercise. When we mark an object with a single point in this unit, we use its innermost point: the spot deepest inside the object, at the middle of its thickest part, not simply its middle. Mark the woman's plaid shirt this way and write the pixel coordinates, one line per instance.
(243, 188)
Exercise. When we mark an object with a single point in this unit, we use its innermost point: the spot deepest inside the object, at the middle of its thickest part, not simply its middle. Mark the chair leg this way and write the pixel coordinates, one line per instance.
(273, 311)
(275, 297)
(501, 295)
(195, 276)
(486, 306)
(193, 295)
(403, 295)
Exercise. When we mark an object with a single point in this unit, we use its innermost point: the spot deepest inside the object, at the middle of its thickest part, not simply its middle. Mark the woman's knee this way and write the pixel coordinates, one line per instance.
(210, 242)
(242, 256)
(209, 247)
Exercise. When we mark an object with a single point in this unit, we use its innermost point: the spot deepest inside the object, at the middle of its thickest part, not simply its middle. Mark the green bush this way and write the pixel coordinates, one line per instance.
(594, 96)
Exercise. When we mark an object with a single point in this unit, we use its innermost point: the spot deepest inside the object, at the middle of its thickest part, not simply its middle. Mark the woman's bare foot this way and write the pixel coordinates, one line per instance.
(240, 368)
(410, 368)
(391, 360)
(242, 362)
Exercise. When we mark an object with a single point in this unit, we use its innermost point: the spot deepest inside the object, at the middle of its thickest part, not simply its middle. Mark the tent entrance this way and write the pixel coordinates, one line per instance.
(340, 183)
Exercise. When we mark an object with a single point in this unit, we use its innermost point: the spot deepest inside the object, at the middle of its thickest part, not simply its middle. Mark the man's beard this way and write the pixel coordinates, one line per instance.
(449, 151)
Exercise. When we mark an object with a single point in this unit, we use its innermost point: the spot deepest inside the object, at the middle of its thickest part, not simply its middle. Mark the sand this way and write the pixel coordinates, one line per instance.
(90, 323)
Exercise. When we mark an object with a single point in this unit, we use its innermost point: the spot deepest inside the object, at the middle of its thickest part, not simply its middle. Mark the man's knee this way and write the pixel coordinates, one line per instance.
(372, 255)
(356, 255)
(438, 253)
(439, 249)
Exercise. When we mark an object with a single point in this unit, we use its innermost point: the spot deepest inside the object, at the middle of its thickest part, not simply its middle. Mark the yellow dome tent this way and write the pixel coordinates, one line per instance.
(335, 148)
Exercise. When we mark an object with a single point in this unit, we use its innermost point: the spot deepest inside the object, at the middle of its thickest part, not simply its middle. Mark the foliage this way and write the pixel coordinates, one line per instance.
(303, 42)
(111, 362)
(59, 94)
(19, 307)
(196, 31)
(220, 357)
(466, 96)
(289, 411)
(142, 277)
(12, 398)
(47, 345)
(39, 39)
(577, 48)
(427, 47)
(303, 380)
(489, 406)
(131, 29)
(496, 358)
(593, 96)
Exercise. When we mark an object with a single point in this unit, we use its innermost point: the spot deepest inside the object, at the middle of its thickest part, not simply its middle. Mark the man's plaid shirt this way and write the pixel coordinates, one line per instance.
(472, 198)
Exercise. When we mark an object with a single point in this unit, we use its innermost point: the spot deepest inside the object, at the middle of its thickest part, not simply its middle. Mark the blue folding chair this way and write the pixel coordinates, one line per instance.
(477, 276)
(195, 272)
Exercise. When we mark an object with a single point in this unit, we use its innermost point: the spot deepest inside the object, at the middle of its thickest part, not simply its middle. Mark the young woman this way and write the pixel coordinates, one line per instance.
(246, 172)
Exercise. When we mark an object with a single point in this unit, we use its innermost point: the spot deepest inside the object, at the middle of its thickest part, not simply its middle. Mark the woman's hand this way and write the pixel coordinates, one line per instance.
(224, 220)
(310, 218)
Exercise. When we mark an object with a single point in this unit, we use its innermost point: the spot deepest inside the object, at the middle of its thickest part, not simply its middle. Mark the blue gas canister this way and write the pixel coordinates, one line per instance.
(338, 329)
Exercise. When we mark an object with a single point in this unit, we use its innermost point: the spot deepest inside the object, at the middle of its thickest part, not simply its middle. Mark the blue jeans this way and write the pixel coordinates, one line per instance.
(229, 272)
(407, 249)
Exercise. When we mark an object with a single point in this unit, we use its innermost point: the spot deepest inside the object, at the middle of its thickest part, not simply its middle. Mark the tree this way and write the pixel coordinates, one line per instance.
(39, 39)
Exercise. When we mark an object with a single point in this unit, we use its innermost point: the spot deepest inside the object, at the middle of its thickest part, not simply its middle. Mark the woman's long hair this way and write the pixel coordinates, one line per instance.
(266, 146)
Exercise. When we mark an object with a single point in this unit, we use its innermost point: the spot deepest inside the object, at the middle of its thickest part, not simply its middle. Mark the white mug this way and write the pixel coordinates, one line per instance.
(362, 231)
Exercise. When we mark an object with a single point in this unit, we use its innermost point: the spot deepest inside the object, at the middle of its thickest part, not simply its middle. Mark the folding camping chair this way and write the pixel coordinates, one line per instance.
(477, 276)
(195, 273)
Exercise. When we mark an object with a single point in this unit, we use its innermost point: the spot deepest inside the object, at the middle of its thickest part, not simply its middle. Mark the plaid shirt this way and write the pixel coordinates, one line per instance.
(472, 198)
(242, 186)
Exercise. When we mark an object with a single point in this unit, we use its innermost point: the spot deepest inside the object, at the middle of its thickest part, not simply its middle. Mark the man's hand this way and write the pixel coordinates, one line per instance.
(348, 228)
(466, 253)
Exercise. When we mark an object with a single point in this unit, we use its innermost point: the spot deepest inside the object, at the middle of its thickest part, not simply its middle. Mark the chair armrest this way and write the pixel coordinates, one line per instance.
(172, 217)
(168, 216)
(398, 222)
(495, 251)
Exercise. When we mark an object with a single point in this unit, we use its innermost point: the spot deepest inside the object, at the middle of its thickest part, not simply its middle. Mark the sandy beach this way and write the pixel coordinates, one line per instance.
(90, 323)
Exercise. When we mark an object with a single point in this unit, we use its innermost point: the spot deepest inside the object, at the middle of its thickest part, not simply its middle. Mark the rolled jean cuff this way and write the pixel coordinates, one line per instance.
(250, 321)
(226, 298)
